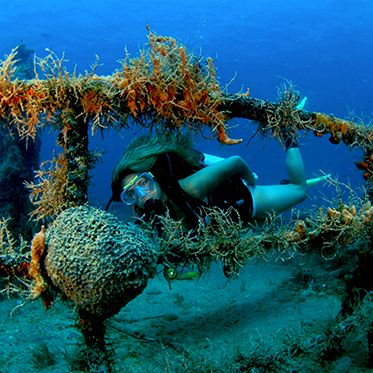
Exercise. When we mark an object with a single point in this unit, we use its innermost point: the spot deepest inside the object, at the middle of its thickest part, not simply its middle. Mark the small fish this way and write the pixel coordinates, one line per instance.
(172, 274)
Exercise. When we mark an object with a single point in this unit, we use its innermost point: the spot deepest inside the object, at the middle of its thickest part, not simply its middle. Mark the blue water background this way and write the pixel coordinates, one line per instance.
(325, 47)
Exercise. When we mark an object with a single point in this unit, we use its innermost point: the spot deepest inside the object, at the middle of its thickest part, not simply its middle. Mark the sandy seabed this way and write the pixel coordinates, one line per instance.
(212, 324)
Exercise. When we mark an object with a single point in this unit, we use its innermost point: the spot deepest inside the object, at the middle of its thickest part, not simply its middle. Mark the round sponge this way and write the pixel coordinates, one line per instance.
(97, 261)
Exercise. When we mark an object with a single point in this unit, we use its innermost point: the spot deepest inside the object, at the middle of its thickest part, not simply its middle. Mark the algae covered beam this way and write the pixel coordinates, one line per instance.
(272, 116)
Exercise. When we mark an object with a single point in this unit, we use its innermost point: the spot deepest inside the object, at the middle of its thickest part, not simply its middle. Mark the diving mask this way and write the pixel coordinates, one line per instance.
(138, 187)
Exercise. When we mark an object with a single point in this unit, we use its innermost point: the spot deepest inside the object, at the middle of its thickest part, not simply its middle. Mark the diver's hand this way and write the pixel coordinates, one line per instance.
(152, 210)
(153, 207)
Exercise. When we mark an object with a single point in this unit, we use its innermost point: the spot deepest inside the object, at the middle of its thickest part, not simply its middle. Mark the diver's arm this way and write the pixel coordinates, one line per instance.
(210, 159)
(207, 179)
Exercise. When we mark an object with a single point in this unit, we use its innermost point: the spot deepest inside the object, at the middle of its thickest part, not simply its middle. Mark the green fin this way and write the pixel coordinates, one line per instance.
(316, 180)
(300, 106)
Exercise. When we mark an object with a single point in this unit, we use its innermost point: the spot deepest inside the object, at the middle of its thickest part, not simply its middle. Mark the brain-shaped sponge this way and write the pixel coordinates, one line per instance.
(97, 261)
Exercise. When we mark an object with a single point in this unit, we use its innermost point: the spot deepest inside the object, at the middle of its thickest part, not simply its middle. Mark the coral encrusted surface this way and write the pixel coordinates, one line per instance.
(97, 261)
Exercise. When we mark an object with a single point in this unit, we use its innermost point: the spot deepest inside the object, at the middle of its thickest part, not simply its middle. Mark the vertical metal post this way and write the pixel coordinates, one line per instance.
(74, 139)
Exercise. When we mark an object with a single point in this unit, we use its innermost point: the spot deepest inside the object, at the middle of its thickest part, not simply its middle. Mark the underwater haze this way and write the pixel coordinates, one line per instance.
(325, 49)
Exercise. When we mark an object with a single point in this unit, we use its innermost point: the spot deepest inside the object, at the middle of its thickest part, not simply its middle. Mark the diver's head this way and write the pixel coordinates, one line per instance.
(137, 188)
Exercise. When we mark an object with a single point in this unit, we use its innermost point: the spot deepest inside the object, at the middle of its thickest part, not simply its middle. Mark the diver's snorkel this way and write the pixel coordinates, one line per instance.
(108, 204)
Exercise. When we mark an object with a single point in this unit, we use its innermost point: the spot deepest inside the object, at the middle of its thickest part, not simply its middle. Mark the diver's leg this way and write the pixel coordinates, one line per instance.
(295, 167)
(278, 198)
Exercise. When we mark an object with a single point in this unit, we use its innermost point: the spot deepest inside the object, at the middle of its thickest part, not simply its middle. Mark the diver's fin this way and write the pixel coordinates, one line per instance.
(301, 104)
(316, 180)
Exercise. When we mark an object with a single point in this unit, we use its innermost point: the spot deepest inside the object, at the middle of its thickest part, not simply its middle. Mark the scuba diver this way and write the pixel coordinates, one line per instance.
(166, 174)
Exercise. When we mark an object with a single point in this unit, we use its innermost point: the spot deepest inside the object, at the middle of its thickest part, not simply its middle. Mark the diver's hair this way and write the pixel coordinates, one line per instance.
(141, 154)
